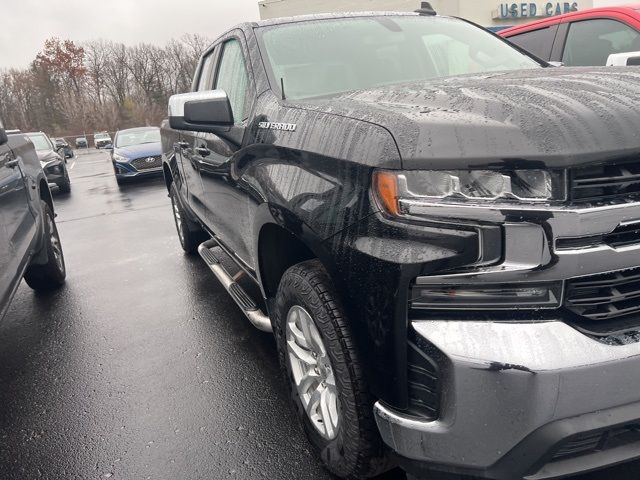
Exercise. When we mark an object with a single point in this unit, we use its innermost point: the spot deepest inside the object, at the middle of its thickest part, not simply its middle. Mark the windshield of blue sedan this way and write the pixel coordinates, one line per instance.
(127, 138)
(325, 57)
(41, 142)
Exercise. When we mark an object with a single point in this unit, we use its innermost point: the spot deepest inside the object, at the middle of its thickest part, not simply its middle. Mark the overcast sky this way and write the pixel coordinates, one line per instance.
(25, 24)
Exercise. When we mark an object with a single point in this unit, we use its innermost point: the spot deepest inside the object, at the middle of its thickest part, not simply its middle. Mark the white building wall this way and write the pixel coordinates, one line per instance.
(612, 3)
(483, 12)
(285, 8)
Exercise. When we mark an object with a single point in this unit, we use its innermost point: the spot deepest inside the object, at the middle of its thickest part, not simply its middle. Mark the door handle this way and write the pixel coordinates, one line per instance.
(204, 151)
(179, 145)
(12, 163)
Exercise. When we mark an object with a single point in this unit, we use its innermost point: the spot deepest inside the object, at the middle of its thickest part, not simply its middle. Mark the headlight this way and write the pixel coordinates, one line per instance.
(54, 169)
(120, 158)
(454, 186)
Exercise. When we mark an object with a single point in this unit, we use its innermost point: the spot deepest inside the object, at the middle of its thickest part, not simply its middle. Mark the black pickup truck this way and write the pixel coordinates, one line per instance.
(29, 241)
(442, 232)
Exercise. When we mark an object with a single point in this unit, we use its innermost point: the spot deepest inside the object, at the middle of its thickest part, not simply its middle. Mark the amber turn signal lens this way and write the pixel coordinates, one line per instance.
(386, 187)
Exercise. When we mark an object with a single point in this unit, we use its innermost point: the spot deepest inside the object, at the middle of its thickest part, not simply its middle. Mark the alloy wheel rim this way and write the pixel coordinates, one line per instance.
(54, 239)
(312, 372)
(178, 218)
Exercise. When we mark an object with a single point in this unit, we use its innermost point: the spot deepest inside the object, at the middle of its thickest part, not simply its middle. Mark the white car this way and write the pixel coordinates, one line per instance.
(101, 140)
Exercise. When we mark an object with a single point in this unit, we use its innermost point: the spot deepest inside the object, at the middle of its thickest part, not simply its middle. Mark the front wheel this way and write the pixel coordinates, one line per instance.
(65, 184)
(50, 275)
(190, 235)
(322, 368)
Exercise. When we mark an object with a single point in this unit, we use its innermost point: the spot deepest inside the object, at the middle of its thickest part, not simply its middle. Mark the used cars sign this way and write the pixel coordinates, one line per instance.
(531, 10)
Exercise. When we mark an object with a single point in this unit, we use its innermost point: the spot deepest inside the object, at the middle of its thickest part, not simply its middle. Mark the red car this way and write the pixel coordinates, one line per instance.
(584, 38)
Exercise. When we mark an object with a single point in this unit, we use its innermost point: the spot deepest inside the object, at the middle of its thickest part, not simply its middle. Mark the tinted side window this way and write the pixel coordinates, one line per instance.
(233, 79)
(590, 42)
(538, 42)
(206, 76)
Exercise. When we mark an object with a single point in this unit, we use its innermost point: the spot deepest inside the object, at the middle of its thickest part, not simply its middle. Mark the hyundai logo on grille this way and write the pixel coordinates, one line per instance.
(150, 160)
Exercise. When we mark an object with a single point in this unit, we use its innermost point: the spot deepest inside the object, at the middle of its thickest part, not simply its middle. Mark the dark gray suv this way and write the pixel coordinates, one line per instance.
(53, 163)
(29, 241)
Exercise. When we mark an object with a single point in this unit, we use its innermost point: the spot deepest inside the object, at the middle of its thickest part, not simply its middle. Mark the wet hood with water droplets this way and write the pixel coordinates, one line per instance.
(552, 117)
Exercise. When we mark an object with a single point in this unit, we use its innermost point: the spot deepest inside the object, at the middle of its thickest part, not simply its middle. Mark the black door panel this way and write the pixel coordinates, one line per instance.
(190, 143)
(190, 161)
(225, 200)
(228, 211)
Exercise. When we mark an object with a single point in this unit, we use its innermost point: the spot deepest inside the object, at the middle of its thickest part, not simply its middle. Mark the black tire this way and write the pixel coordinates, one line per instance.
(189, 233)
(357, 450)
(65, 185)
(51, 275)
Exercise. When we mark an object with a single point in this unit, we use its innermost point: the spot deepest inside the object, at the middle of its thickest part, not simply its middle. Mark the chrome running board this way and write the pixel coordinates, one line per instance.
(244, 301)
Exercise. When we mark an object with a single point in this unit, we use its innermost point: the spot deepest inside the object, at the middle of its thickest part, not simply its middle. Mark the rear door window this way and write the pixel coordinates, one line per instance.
(205, 82)
(233, 79)
(590, 42)
(538, 42)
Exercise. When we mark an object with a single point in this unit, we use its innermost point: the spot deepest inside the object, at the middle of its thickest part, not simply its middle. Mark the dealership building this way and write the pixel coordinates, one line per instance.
(489, 13)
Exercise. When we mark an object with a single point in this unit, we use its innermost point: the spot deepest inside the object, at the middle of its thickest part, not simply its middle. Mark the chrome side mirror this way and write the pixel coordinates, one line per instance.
(200, 111)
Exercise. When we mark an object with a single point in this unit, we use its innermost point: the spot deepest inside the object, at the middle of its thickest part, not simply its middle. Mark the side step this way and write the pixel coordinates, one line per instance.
(244, 301)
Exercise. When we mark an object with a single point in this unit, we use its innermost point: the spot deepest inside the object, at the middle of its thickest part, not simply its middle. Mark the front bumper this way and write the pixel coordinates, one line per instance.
(125, 171)
(514, 395)
(516, 387)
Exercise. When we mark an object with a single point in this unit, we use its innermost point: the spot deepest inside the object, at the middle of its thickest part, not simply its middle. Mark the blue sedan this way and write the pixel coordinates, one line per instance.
(137, 153)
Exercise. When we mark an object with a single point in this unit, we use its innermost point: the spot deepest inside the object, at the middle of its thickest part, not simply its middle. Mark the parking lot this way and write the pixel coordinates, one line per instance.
(142, 366)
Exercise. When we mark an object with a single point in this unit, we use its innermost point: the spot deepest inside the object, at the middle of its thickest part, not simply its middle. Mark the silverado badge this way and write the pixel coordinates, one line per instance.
(289, 127)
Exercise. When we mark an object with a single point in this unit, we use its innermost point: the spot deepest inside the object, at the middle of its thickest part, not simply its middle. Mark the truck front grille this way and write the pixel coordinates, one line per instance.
(146, 163)
(618, 181)
(605, 296)
(623, 236)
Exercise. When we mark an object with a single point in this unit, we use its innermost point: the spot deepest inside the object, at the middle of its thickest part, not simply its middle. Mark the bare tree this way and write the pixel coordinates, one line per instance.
(99, 85)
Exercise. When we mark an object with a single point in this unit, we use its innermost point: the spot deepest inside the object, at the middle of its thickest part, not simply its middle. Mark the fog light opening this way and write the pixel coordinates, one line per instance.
(496, 296)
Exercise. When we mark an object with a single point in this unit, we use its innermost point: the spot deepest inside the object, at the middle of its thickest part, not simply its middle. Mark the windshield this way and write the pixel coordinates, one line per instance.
(331, 56)
(126, 138)
(41, 142)
(100, 136)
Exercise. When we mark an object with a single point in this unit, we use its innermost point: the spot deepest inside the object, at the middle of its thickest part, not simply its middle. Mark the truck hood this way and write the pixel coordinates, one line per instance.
(553, 117)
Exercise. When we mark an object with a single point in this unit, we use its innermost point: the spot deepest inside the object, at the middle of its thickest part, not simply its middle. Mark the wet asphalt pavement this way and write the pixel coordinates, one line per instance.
(141, 367)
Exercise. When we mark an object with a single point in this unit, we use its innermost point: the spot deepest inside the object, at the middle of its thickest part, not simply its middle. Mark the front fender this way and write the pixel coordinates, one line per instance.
(272, 214)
